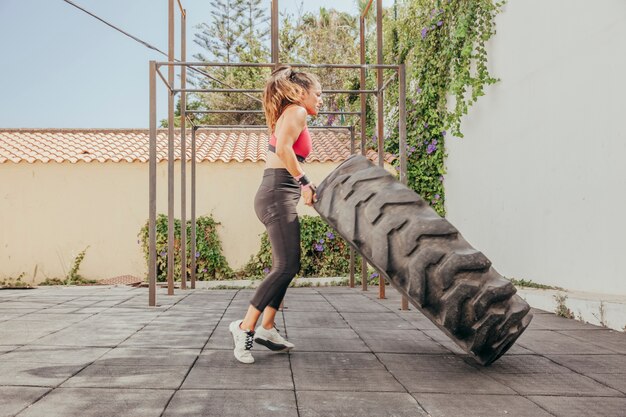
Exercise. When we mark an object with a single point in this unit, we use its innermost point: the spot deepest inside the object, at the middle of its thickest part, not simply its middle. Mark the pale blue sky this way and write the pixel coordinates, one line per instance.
(61, 68)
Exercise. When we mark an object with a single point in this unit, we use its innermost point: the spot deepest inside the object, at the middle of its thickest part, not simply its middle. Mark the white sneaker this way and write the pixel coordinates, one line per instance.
(272, 339)
(243, 342)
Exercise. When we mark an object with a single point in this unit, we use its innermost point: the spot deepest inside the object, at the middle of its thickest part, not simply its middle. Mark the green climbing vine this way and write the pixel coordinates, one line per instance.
(443, 43)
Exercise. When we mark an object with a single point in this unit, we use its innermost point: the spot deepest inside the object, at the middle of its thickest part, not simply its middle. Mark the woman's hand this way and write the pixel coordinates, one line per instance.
(309, 195)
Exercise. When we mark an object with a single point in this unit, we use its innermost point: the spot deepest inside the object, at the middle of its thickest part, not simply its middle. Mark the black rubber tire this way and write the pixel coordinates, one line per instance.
(424, 257)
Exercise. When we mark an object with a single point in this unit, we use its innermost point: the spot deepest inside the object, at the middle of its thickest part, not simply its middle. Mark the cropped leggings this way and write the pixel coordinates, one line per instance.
(275, 205)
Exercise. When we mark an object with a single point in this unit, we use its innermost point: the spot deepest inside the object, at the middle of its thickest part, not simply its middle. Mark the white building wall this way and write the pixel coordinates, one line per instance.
(539, 181)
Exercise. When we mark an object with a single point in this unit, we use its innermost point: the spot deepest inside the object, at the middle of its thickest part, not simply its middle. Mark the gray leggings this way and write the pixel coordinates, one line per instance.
(275, 205)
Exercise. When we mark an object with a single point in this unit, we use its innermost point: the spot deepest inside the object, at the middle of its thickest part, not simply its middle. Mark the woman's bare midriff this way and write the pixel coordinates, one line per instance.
(273, 161)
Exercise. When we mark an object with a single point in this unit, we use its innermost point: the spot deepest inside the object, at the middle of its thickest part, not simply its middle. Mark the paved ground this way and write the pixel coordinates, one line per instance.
(88, 351)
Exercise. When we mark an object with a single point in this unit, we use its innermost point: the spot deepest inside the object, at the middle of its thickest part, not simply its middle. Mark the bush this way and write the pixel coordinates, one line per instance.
(324, 253)
(210, 261)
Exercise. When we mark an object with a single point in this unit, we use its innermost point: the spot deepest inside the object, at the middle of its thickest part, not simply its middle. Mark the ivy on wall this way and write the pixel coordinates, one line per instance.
(443, 44)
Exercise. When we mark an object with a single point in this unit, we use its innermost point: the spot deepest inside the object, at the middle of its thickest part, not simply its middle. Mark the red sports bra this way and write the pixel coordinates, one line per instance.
(302, 146)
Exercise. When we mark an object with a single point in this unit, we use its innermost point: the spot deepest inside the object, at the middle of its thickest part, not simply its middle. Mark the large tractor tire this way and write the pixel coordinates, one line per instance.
(423, 257)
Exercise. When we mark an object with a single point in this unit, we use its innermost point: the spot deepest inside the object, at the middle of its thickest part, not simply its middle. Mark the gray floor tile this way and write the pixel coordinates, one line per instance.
(406, 346)
(314, 319)
(450, 382)
(128, 376)
(615, 381)
(55, 355)
(123, 356)
(334, 360)
(264, 358)
(315, 344)
(231, 403)
(525, 364)
(466, 405)
(554, 384)
(583, 406)
(36, 374)
(238, 377)
(609, 339)
(15, 399)
(357, 404)
(331, 379)
(551, 342)
(599, 364)
(98, 402)
(425, 363)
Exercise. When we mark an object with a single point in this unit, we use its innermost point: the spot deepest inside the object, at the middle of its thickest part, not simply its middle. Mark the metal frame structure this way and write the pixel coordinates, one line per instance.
(172, 64)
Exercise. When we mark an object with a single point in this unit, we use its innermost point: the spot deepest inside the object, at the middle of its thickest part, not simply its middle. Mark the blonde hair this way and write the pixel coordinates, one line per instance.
(284, 87)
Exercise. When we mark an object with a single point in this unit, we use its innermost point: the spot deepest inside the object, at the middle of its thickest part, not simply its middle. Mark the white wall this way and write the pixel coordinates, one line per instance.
(539, 181)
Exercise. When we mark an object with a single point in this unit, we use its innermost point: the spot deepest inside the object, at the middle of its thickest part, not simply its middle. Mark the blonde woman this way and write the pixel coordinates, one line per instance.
(288, 98)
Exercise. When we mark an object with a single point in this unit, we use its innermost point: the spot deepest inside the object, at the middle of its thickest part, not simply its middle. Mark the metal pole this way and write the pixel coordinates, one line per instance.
(379, 107)
(274, 33)
(193, 207)
(363, 127)
(183, 156)
(403, 144)
(170, 156)
(352, 151)
(152, 270)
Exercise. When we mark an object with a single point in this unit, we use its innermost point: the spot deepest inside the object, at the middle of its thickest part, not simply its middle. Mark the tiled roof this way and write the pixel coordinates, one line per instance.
(131, 145)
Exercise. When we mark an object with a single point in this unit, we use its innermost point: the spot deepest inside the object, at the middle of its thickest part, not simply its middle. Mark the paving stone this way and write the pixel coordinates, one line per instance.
(264, 358)
(99, 402)
(388, 321)
(232, 403)
(425, 363)
(27, 331)
(334, 360)
(123, 356)
(310, 306)
(615, 381)
(238, 377)
(394, 334)
(450, 382)
(36, 374)
(359, 307)
(320, 333)
(316, 344)
(128, 376)
(314, 319)
(85, 337)
(406, 346)
(609, 339)
(466, 405)
(599, 364)
(525, 364)
(554, 322)
(56, 317)
(54, 355)
(554, 384)
(357, 404)
(331, 379)
(7, 348)
(582, 406)
(15, 399)
(164, 339)
(547, 342)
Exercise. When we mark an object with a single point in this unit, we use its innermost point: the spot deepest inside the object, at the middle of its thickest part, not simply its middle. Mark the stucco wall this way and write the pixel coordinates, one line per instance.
(50, 212)
(538, 183)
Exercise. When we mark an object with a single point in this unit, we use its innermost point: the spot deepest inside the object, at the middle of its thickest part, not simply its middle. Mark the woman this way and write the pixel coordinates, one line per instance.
(288, 98)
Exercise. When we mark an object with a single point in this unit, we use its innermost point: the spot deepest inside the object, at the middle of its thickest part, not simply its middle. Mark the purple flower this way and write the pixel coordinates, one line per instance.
(318, 247)
(412, 149)
(330, 235)
(419, 90)
(437, 196)
(204, 270)
(321, 241)
(197, 254)
(163, 253)
(266, 271)
(441, 178)
(439, 23)
(424, 32)
(435, 142)
(443, 133)
(374, 275)
(431, 148)
(425, 125)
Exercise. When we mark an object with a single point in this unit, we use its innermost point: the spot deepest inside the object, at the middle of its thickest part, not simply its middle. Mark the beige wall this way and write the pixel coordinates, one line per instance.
(50, 212)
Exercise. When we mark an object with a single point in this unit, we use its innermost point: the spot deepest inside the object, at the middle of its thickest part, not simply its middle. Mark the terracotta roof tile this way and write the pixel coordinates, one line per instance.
(131, 145)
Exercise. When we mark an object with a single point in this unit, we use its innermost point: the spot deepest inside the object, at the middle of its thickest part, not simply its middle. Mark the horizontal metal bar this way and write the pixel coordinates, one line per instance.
(264, 127)
(271, 65)
(256, 90)
(261, 112)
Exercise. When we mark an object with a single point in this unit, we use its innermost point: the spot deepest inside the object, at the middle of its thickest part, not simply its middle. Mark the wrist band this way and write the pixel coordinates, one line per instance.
(303, 180)
(307, 186)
